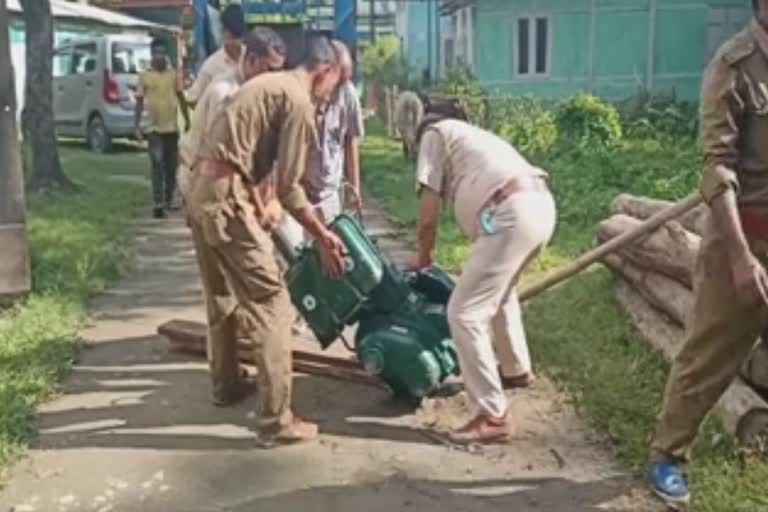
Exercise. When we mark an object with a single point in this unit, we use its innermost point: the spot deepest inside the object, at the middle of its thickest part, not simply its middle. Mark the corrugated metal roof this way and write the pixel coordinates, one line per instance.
(84, 12)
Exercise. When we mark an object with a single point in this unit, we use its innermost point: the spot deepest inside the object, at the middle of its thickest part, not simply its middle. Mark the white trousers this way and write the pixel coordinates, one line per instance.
(484, 312)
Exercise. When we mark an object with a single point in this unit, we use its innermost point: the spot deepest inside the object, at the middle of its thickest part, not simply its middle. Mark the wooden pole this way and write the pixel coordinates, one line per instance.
(598, 253)
(14, 264)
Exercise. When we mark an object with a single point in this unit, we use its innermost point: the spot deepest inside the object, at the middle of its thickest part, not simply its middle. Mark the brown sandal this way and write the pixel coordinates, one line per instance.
(483, 430)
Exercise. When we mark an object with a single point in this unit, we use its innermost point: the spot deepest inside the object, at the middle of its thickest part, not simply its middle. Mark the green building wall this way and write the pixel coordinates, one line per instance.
(603, 46)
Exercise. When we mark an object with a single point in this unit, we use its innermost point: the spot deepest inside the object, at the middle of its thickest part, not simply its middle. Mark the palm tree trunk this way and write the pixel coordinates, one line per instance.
(37, 116)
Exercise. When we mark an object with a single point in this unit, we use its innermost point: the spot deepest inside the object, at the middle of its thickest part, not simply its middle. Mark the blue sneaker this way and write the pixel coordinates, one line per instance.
(669, 483)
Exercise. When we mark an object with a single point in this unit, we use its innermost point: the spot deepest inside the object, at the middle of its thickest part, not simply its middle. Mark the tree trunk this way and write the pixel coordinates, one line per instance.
(37, 116)
(671, 250)
(14, 265)
(644, 207)
(743, 411)
(667, 295)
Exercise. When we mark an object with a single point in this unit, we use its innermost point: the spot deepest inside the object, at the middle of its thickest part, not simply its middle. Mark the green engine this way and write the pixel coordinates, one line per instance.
(402, 334)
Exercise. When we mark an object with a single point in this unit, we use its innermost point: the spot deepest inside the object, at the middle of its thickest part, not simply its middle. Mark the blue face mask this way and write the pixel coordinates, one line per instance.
(488, 222)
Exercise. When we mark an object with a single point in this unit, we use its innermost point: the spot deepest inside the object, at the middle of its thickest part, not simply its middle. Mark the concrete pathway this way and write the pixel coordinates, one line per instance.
(134, 429)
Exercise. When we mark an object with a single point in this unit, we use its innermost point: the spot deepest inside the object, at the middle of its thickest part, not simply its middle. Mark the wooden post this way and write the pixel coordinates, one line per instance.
(14, 265)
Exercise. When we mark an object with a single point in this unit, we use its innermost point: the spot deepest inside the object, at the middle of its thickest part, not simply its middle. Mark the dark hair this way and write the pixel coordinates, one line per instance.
(320, 51)
(158, 42)
(438, 109)
(233, 20)
(263, 41)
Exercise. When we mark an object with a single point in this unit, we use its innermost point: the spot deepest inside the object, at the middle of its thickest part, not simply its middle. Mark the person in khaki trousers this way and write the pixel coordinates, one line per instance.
(503, 204)
(264, 52)
(730, 282)
(265, 132)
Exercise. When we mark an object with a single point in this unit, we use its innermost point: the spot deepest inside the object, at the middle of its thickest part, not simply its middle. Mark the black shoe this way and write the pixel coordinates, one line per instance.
(158, 213)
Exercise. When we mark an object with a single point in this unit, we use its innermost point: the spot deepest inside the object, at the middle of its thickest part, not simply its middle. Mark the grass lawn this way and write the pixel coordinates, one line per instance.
(78, 245)
(579, 336)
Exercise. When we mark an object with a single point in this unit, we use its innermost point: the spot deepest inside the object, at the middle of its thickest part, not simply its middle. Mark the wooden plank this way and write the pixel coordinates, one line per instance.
(190, 337)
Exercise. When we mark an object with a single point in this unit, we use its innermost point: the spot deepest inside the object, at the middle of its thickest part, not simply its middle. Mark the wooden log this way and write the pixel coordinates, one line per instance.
(645, 207)
(611, 246)
(670, 250)
(665, 294)
(190, 338)
(743, 411)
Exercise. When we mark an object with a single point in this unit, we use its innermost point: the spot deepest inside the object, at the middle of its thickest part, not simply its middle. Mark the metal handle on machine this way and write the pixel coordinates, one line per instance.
(358, 209)
(613, 245)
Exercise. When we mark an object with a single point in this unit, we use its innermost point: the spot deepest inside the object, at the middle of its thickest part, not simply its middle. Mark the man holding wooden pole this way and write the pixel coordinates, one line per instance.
(731, 286)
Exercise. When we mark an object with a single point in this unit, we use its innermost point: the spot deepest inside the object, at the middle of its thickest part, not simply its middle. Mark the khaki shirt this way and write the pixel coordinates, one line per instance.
(159, 90)
(466, 165)
(268, 126)
(734, 119)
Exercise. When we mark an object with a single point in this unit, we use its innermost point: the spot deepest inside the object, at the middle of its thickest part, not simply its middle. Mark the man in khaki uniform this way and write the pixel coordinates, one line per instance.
(264, 52)
(731, 287)
(267, 129)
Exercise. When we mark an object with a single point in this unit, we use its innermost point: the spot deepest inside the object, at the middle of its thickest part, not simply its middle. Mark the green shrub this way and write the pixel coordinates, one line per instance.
(660, 116)
(586, 120)
(526, 124)
(459, 83)
(384, 63)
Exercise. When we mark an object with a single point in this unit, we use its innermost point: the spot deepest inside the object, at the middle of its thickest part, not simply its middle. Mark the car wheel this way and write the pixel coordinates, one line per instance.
(99, 139)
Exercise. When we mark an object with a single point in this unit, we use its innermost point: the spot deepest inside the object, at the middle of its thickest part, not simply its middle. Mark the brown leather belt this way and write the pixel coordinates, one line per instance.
(533, 183)
(215, 169)
(754, 224)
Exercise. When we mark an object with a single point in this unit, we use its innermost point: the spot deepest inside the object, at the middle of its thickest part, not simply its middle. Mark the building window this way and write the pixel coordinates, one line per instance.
(532, 40)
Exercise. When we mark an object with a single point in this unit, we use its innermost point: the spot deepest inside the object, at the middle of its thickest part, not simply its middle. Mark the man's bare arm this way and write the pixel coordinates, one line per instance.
(429, 222)
(352, 164)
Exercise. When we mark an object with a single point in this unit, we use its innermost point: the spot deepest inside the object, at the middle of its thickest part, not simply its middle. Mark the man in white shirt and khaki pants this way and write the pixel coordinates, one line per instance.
(503, 204)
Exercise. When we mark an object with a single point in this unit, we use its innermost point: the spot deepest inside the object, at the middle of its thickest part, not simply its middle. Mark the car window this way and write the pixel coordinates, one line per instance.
(130, 58)
(62, 63)
(84, 58)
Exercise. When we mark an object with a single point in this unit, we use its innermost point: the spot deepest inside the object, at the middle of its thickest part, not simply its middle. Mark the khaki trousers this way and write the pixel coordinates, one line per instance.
(484, 311)
(245, 294)
(721, 333)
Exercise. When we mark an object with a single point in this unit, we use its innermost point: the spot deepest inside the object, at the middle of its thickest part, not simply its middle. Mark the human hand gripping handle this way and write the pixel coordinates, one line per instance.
(332, 253)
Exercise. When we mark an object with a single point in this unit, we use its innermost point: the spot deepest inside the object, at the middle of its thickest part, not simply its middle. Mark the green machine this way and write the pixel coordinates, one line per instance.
(402, 329)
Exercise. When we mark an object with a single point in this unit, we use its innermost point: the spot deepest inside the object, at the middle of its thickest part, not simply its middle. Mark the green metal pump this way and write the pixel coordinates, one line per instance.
(402, 334)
